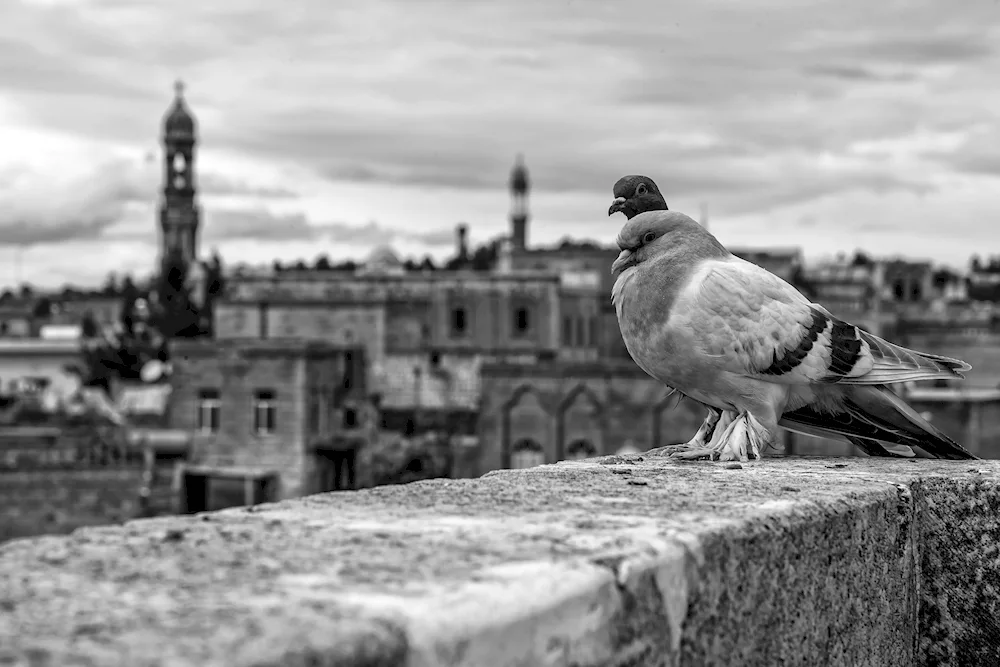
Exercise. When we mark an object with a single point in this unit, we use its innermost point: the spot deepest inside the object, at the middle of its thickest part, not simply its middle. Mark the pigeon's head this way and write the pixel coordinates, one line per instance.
(651, 234)
(636, 194)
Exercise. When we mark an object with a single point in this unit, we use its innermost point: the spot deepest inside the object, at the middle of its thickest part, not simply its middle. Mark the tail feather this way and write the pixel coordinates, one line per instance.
(872, 417)
(867, 445)
(894, 363)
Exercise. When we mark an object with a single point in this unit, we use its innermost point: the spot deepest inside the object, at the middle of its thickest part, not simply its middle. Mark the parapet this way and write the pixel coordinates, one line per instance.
(619, 560)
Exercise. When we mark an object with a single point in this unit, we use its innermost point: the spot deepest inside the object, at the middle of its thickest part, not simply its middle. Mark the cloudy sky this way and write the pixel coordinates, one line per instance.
(335, 126)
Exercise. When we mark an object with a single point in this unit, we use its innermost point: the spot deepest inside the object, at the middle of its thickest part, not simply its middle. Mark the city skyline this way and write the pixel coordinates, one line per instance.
(332, 130)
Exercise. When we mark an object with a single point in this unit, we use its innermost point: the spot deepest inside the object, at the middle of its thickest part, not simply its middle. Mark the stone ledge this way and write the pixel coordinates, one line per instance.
(612, 561)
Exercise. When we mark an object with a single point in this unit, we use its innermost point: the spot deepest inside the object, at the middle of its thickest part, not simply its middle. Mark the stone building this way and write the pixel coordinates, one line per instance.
(549, 412)
(424, 334)
(283, 407)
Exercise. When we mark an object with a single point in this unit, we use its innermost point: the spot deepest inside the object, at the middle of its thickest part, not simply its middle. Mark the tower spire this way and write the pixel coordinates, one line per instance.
(520, 185)
(179, 212)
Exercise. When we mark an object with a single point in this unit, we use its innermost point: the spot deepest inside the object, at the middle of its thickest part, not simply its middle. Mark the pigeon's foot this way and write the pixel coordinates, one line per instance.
(695, 454)
(699, 443)
(670, 450)
(712, 450)
(746, 439)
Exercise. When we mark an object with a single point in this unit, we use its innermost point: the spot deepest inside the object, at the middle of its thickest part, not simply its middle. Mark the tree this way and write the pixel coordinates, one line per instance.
(428, 264)
(301, 266)
(176, 316)
(485, 257)
(26, 292)
(322, 263)
(277, 267)
(110, 286)
(975, 264)
(861, 258)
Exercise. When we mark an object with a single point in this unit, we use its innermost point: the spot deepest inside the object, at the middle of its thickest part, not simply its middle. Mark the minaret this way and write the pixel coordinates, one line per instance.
(519, 187)
(179, 214)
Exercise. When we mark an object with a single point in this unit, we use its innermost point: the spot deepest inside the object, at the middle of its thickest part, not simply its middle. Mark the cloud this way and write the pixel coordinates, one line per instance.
(977, 154)
(215, 184)
(38, 208)
(759, 108)
(260, 224)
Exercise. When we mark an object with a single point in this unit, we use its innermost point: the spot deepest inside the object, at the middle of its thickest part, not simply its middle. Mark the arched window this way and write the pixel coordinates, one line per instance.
(580, 449)
(527, 453)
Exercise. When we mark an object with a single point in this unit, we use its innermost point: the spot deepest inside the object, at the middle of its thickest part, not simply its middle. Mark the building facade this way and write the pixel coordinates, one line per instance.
(425, 334)
(285, 407)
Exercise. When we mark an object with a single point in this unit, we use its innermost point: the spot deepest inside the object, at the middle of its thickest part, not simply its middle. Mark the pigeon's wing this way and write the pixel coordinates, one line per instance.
(750, 322)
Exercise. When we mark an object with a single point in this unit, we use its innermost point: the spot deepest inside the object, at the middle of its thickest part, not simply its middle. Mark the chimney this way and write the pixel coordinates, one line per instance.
(462, 241)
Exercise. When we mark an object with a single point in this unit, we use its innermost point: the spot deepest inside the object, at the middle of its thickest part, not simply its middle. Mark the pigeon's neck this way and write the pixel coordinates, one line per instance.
(670, 270)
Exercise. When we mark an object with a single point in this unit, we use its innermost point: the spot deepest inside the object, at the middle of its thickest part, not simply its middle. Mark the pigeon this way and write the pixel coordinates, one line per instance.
(759, 354)
(635, 194)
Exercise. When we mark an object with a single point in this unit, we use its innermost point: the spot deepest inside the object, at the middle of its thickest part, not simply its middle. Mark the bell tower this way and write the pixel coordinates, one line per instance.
(519, 187)
(179, 213)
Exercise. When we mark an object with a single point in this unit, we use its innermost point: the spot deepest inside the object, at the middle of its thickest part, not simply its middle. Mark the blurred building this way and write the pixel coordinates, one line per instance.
(278, 415)
(425, 334)
(41, 363)
(786, 263)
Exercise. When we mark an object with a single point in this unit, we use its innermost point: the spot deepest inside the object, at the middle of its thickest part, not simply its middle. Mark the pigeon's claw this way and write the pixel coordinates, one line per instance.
(698, 442)
(695, 454)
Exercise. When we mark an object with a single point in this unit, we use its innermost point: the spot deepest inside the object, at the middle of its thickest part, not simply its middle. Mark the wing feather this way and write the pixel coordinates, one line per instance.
(753, 323)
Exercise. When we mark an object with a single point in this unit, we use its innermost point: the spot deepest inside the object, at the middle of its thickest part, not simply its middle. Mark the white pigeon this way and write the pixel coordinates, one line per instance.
(757, 353)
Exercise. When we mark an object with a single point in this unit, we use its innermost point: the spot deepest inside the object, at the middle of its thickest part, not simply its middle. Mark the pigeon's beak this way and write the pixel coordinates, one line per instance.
(617, 205)
(623, 261)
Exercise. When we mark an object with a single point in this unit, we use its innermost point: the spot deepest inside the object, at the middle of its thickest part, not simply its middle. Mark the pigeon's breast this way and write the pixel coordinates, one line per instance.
(644, 298)
(641, 318)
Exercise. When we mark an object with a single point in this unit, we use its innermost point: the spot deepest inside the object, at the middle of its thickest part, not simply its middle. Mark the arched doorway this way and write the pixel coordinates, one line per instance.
(580, 449)
(526, 453)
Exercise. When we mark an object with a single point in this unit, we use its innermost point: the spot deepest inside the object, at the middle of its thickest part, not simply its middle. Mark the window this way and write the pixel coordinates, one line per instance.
(521, 321)
(592, 321)
(209, 411)
(263, 412)
(458, 323)
(581, 332)
(348, 370)
(350, 418)
(567, 331)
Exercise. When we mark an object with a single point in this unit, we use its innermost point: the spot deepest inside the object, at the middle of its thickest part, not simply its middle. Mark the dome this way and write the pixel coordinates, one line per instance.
(383, 259)
(519, 176)
(179, 122)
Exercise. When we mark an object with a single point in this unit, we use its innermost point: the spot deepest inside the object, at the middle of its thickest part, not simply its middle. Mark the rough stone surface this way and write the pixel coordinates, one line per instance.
(613, 561)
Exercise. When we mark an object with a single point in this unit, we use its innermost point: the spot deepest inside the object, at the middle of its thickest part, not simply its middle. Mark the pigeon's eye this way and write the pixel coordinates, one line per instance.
(648, 237)
(640, 190)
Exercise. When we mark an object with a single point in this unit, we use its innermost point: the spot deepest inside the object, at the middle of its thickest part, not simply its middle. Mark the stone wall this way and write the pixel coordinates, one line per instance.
(59, 501)
(614, 561)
